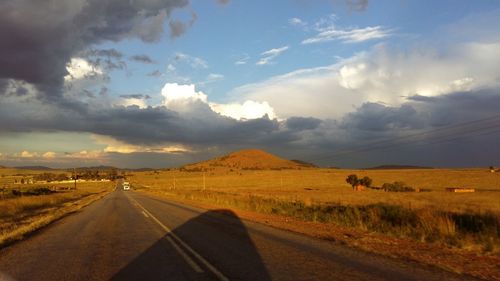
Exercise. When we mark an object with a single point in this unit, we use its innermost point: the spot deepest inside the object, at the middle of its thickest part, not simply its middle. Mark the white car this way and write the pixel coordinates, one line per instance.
(126, 186)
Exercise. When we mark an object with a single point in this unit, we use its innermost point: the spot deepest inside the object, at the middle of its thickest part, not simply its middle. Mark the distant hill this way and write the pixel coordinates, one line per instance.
(108, 168)
(141, 169)
(100, 168)
(397, 167)
(304, 163)
(249, 159)
(34, 168)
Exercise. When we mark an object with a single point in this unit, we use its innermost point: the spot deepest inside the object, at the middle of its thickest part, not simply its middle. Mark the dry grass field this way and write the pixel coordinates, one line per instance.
(20, 215)
(329, 186)
(464, 220)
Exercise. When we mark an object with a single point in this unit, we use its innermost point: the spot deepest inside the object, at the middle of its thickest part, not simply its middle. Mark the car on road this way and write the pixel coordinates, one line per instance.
(126, 186)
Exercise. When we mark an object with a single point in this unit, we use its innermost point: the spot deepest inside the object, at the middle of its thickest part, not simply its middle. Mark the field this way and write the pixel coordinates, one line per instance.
(27, 207)
(464, 220)
(329, 186)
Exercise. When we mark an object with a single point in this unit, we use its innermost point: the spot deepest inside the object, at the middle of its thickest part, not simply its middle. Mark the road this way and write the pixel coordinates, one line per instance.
(131, 236)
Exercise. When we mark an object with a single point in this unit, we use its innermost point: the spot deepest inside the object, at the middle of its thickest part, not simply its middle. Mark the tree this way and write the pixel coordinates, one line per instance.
(113, 174)
(366, 181)
(61, 177)
(352, 180)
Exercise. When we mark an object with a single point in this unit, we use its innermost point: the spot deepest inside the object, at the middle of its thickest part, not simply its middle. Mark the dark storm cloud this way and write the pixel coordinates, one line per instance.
(421, 98)
(423, 113)
(108, 59)
(376, 117)
(302, 123)
(14, 88)
(3, 85)
(109, 53)
(142, 58)
(145, 126)
(457, 129)
(439, 139)
(38, 38)
(135, 96)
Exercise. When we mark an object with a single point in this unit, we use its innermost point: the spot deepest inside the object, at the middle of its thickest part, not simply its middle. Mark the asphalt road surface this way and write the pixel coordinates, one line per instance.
(131, 236)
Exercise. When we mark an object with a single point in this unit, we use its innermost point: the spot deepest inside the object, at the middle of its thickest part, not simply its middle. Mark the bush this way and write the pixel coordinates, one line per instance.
(354, 181)
(397, 186)
(38, 191)
(365, 181)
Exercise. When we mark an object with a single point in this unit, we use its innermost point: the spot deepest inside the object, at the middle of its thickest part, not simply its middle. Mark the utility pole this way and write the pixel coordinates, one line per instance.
(74, 177)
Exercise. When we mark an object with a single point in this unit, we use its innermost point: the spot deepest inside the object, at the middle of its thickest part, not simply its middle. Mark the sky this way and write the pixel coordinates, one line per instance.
(162, 83)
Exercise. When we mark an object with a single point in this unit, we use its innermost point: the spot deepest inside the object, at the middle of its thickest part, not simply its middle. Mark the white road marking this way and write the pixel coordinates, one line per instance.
(186, 257)
(212, 268)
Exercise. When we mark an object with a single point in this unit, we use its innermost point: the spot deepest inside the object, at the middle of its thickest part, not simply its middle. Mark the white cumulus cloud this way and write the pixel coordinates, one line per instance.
(79, 68)
(183, 98)
(141, 103)
(179, 97)
(49, 154)
(247, 110)
(27, 154)
(381, 75)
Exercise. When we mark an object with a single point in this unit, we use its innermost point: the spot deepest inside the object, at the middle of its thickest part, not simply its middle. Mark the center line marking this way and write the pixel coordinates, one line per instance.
(212, 268)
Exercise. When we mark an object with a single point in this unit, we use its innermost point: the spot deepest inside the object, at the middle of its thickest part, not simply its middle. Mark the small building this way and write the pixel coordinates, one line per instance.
(459, 189)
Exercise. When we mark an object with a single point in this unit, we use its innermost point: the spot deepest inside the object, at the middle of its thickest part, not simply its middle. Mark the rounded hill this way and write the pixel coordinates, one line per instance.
(248, 159)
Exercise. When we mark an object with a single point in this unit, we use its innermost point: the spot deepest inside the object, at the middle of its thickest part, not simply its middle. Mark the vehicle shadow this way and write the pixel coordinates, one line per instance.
(219, 236)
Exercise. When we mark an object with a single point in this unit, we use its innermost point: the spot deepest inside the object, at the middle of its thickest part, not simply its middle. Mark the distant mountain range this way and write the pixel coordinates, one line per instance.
(35, 168)
(100, 168)
(397, 167)
(107, 168)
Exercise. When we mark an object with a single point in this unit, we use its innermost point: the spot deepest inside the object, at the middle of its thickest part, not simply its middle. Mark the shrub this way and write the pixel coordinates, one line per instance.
(38, 191)
(366, 181)
(354, 181)
(397, 186)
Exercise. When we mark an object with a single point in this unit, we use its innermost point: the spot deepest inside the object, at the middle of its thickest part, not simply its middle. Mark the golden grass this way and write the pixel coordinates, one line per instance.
(464, 220)
(7, 171)
(15, 206)
(22, 215)
(329, 186)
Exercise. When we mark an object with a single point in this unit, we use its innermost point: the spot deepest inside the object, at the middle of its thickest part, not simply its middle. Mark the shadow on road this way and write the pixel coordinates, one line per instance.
(219, 236)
